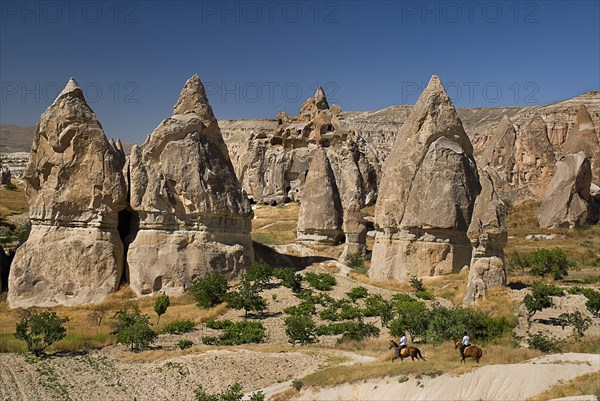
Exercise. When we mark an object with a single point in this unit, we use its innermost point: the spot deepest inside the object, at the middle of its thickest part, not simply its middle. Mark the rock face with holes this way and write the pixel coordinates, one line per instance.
(320, 216)
(488, 236)
(75, 188)
(272, 164)
(190, 213)
(427, 193)
(568, 201)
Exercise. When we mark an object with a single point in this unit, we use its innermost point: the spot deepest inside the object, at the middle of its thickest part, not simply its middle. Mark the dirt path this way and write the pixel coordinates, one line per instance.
(492, 382)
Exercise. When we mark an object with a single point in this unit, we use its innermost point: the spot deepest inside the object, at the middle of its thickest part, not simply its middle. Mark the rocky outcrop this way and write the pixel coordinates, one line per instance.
(320, 216)
(488, 235)
(5, 175)
(190, 213)
(75, 188)
(534, 160)
(499, 154)
(427, 193)
(583, 139)
(355, 231)
(567, 201)
(272, 164)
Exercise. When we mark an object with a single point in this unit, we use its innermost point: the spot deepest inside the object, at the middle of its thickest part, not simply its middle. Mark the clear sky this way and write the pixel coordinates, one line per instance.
(256, 57)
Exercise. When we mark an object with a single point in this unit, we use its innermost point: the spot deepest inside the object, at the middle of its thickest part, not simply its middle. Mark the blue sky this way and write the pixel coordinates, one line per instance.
(256, 57)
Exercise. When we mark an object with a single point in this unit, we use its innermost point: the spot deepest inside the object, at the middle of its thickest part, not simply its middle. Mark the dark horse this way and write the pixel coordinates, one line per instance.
(472, 351)
(412, 352)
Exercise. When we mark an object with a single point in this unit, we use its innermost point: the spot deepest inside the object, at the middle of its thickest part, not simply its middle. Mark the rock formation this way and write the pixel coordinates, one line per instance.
(273, 162)
(567, 201)
(5, 175)
(355, 231)
(75, 189)
(499, 154)
(320, 216)
(583, 139)
(190, 214)
(488, 236)
(427, 194)
(534, 159)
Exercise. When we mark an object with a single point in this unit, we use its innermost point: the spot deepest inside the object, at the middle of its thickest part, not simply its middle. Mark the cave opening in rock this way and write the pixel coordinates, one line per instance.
(128, 227)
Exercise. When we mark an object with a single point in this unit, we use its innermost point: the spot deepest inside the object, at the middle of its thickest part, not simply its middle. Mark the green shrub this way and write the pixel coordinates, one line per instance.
(247, 297)
(425, 295)
(218, 324)
(375, 305)
(540, 298)
(544, 343)
(10, 186)
(300, 329)
(184, 344)
(320, 298)
(543, 262)
(304, 308)
(243, 332)
(341, 310)
(356, 262)
(320, 281)
(160, 305)
(232, 393)
(357, 293)
(577, 321)
(134, 328)
(412, 313)
(179, 326)
(40, 330)
(260, 273)
(297, 384)
(350, 330)
(209, 290)
(417, 284)
(289, 278)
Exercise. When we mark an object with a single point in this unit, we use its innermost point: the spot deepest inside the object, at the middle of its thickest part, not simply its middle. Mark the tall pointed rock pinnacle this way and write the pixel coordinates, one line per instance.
(192, 99)
(321, 99)
(427, 193)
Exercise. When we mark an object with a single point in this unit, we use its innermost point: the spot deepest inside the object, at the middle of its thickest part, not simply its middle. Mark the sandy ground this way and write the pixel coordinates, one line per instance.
(492, 382)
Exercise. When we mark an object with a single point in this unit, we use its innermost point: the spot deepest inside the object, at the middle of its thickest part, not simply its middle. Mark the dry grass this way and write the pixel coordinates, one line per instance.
(83, 332)
(583, 385)
(13, 202)
(585, 345)
(440, 359)
(275, 225)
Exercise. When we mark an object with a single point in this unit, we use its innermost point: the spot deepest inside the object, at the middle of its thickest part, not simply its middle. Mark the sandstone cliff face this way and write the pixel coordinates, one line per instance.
(272, 164)
(75, 189)
(488, 235)
(427, 193)
(567, 201)
(192, 214)
(320, 216)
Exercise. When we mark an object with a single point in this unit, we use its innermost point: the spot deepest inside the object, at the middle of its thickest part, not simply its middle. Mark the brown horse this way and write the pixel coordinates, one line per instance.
(472, 351)
(412, 352)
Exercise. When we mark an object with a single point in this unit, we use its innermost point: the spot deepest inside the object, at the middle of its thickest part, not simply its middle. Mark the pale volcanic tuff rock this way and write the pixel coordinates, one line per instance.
(192, 213)
(355, 231)
(567, 201)
(427, 193)
(488, 235)
(272, 164)
(320, 216)
(499, 154)
(583, 139)
(75, 188)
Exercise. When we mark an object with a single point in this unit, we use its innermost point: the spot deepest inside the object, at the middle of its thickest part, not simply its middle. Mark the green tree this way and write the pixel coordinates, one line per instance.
(160, 305)
(260, 273)
(320, 281)
(300, 329)
(540, 298)
(375, 305)
(232, 393)
(579, 322)
(357, 293)
(209, 290)
(247, 297)
(544, 262)
(289, 278)
(417, 284)
(134, 328)
(41, 330)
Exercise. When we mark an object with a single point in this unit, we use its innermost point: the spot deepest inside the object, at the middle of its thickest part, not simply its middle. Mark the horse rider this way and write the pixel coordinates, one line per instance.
(402, 343)
(465, 343)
